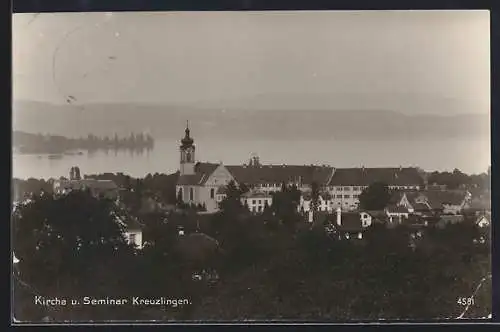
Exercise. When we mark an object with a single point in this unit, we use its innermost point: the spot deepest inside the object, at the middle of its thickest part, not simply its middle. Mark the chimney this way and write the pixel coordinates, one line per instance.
(339, 217)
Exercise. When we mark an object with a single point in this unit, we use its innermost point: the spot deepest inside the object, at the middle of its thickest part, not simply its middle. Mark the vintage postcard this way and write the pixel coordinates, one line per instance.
(273, 166)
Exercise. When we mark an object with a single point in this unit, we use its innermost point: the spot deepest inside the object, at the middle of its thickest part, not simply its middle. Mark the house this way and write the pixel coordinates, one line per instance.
(350, 225)
(434, 201)
(347, 184)
(257, 201)
(483, 221)
(106, 188)
(324, 202)
(397, 213)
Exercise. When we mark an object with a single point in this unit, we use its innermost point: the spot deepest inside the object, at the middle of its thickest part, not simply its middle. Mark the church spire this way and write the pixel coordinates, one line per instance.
(187, 140)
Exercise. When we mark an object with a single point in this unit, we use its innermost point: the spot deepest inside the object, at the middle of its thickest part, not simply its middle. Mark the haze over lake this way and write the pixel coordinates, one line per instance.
(467, 155)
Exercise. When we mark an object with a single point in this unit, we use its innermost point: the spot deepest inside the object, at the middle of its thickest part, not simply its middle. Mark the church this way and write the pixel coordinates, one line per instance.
(204, 183)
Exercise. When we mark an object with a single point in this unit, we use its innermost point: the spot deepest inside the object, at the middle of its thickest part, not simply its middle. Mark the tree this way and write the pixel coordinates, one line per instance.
(66, 243)
(375, 197)
(231, 204)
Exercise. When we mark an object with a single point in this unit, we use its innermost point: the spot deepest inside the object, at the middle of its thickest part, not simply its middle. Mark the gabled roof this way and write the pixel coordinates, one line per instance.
(481, 218)
(437, 198)
(281, 173)
(366, 176)
(420, 207)
(202, 173)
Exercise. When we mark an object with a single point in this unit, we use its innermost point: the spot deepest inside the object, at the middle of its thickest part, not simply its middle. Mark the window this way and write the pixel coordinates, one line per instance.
(260, 209)
(355, 188)
(339, 188)
(191, 194)
(347, 196)
(212, 193)
(347, 188)
(253, 201)
(180, 194)
(260, 201)
(131, 238)
(339, 196)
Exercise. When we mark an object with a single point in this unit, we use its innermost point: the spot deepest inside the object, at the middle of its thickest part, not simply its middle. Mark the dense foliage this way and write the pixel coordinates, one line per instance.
(375, 197)
(38, 143)
(457, 179)
(72, 246)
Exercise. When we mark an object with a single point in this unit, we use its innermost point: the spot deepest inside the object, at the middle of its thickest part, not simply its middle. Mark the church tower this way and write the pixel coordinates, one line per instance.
(187, 154)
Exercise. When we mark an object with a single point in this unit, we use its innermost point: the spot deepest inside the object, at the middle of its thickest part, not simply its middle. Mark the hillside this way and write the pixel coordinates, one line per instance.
(168, 121)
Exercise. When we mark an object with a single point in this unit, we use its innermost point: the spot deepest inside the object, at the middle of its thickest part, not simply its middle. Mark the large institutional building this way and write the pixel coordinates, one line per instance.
(204, 183)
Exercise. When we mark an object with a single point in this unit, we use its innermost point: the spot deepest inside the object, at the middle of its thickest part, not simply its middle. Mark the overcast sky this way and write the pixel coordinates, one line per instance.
(383, 59)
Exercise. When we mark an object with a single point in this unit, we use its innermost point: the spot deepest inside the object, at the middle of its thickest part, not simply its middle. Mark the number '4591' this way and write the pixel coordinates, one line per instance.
(465, 301)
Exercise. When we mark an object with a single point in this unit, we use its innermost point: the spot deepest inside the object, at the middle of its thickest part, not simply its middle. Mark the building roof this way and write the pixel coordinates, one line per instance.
(483, 216)
(420, 207)
(437, 198)
(366, 176)
(256, 194)
(202, 173)
(281, 173)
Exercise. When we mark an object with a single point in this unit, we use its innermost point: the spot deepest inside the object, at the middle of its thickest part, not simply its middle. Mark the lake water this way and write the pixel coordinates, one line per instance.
(470, 156)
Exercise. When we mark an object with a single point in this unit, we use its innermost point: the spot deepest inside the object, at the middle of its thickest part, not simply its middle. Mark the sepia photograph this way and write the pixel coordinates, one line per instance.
(251, 166)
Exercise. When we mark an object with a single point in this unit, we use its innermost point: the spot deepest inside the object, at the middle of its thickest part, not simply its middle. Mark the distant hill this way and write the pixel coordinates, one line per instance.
(168, 122)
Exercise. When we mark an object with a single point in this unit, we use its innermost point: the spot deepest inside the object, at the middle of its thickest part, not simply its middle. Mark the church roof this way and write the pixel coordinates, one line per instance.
(281, 173)
(365, 176)
(202, 173)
